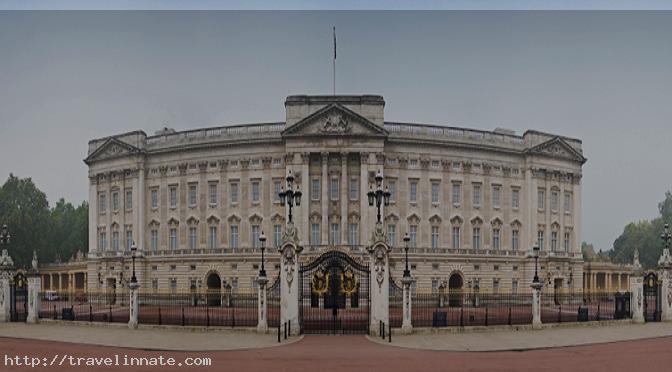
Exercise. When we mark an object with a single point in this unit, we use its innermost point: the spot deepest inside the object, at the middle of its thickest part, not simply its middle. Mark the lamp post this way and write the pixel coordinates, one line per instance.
(134, 249)
(535, 249)
(666, 237)
(262, 240)
(290, 196)
(407, 272)
(378, 196)
(4, 235)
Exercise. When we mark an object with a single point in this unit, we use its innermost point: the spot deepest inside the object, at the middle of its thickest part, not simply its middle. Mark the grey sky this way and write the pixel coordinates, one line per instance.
(604, 77)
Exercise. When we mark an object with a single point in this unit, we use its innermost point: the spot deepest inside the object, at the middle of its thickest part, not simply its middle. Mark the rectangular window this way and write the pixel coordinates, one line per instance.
(193, 194)
(554, 241)
(155, 285)
(541, 195)
(392, 235)
(154, 197)
(129, 239)
(514, 285)
(456, 193)
(435, 191)
(154, 240)
(413, 191)
(568, 242)
(277, 235)
(353, 236)
(568, 202)
(129, 199)
(173, 196)
(256, 196)
(477, 195)
(115, 241)
(554, 201)
(255, 236)
(234, 237)
(233, 192)
(334, 236)
(315, 189)
(435, 237)
(173, 285)
(476, 238)
(514, 240)
(315, 238)
(392, 188)
(413, 234)
(495, 285)
(212, 193)
(515, 198)
(354, 189)
(495, 238)
(540, 239)
(192, 238)
(334, 189)
(277, 189)
(456, 237)
(435, 285)
(212, 240)
(496, 196)
(102, 241)
(172, 239)
(115, 201)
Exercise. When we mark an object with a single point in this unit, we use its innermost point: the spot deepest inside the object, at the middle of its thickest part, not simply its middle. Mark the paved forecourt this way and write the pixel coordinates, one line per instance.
(494, 339)
(146, 337)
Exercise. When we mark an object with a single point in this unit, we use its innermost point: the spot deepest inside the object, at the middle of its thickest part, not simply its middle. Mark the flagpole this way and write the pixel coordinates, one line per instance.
(334, 62)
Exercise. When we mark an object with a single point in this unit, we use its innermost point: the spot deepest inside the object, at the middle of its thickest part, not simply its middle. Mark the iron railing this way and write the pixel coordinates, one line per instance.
(82, 306)
(572, 307)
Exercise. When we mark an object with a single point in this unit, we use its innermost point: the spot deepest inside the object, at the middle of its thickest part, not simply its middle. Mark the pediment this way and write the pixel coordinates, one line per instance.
(557, 148)
(112, 148)
(335, 120)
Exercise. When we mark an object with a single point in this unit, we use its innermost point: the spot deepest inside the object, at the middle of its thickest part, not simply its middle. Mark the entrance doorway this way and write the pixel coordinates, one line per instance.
(652, 305)
(18, 304)
(334, 295)
(455, 283)
(214, 294)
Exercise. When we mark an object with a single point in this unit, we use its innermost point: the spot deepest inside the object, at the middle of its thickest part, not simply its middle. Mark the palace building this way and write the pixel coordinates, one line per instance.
(473, 202)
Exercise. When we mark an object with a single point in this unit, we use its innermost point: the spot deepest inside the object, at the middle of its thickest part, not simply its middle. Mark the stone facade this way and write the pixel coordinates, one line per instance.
(474, 202)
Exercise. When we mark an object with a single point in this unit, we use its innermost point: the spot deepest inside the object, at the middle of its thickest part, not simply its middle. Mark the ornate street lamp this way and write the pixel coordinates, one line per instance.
(378, 196)
(666, 237)
(134, 249)
(407, 272)
(290, 197)
(4, 235)
(262, 239)
(535, 249)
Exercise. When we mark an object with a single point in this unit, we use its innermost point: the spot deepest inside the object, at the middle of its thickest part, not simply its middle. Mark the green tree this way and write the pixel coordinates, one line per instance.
(25, 210)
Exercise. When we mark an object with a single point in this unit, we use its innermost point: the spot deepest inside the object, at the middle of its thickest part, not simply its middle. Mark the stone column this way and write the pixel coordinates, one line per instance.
(379, 279)
(262, 323)
(637, 299)
(289, 281)
(34, 288)
(344, 199)
(6, 275)
(406, 324)
(324, 198)
(536, 305)
(133, 305)
(666, 296)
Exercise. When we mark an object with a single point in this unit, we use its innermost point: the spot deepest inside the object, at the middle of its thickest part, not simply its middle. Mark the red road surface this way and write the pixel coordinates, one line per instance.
(355, 353)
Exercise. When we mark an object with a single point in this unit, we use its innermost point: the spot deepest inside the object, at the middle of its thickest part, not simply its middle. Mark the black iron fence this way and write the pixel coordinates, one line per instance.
(273, 303)
(92, 307)
(233, 308)
(573, 307)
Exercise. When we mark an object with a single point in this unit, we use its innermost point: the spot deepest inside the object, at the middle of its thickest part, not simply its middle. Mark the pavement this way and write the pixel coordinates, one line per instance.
(512, 340)
(342, 353)
(146, 338)
(209, 339)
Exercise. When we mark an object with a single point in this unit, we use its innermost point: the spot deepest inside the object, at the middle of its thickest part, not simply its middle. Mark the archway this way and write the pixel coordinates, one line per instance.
(214, 294)
(455, 283)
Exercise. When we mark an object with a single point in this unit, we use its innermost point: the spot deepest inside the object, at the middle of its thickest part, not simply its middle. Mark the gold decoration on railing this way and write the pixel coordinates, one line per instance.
(348, 281)
(320, 282)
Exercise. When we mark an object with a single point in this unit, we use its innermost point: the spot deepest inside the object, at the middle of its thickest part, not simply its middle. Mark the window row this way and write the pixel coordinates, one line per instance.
(116, 202)
(554, 200)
